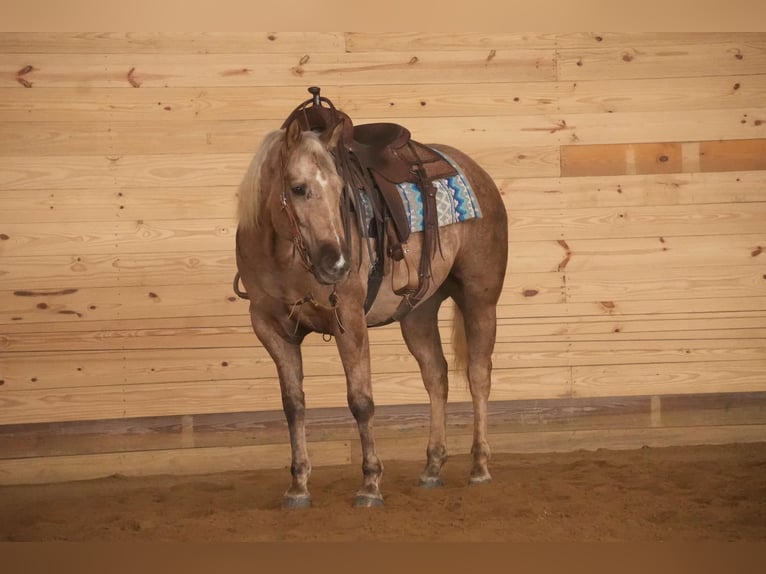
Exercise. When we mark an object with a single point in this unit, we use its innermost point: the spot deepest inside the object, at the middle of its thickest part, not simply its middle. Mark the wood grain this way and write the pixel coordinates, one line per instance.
(398, 102)
(178, 398)
(629, 159)
(168, 42)
(299, 68)
(637, 61)
(629, 190)
(178, 461)
(631, 166)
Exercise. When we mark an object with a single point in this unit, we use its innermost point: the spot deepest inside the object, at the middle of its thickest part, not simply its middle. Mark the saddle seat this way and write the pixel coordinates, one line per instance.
(377, 137)
(393, 157)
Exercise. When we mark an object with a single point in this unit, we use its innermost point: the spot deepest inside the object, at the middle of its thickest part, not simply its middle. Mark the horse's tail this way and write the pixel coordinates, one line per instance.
(459, 344)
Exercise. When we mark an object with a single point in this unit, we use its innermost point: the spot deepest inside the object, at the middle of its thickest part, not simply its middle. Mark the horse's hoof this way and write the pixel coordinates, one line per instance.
(431, 482)
(483, 479)
(297, 502)
(368, 501)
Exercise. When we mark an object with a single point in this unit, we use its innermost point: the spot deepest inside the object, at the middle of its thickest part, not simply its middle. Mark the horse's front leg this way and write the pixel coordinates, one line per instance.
(288, 360)
(294, 406)
(354, 349)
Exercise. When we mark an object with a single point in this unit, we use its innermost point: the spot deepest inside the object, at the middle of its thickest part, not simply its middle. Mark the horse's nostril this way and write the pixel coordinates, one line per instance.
(341, 265)
(333, 261)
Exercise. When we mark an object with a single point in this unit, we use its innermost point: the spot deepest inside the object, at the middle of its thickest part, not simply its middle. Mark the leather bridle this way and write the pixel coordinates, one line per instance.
(299, 243)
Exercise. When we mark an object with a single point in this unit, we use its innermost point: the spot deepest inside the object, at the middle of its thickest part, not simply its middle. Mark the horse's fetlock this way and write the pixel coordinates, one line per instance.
(300, 469)
(437, 452)
(374, 468)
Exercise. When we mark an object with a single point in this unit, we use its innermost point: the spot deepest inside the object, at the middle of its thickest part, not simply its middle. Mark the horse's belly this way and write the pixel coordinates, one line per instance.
(387, 301)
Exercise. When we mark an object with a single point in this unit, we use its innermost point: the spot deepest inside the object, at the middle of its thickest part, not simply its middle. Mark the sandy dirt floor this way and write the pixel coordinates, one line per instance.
(668, 494)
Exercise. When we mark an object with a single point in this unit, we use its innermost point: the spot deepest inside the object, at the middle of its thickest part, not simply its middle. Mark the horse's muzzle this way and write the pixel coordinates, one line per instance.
(331, 264)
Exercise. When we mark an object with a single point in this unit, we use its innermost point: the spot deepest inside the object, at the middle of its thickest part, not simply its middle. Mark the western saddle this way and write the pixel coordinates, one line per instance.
(372, 159)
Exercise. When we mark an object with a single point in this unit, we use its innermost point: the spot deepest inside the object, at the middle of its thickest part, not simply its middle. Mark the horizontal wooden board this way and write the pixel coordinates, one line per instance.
(178, 461)
(168, 42)
(114, 139)
(115, 204)
(197, 267)
(244, 136)
(74, 371)
(735, 376)
(206, 235)
(621, 309)
(406, 41)
(111, 203)
(200, 305)
(445, 41)
(106, 171)
(651, 284)
(584, 439)
(206, 170)
(116, 303)
(82, 271)
(729, 155)
(613, 223)
(472, 133)
(99, 204)
(526, 313)
(733, 57)
(218, 202)
(121, 401)
(652, 39)
(679, 326)
(619, 159)
(629, 190)
(299, 68)
(395, 102)
(399, 421)
(626, 254)
(610, 96)
(76, 304)
(133, 236)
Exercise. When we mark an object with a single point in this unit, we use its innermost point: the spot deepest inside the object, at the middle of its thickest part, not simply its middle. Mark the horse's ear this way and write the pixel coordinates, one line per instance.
(331, 137)
(293, 135)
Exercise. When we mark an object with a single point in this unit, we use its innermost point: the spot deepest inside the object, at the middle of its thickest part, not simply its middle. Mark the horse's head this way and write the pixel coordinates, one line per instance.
(310, 199)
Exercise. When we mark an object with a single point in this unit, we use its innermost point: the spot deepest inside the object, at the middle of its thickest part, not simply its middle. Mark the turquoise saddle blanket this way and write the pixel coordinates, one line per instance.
(455, 200)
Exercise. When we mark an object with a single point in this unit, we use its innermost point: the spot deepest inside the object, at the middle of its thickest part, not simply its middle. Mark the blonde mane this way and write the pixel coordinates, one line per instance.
(249, 192)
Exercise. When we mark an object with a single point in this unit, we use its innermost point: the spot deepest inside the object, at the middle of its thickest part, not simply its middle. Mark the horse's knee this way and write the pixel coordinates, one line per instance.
(361, 406)
(294, 405)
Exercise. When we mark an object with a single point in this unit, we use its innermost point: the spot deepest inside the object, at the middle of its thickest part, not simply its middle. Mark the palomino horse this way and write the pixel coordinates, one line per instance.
(305, 269)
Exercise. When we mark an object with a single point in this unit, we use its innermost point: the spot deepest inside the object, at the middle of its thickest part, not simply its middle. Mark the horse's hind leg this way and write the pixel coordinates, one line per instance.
(480, 328)
(420, 330)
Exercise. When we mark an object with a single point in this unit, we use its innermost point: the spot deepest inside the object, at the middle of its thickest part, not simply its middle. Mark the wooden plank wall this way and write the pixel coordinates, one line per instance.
(633, 168)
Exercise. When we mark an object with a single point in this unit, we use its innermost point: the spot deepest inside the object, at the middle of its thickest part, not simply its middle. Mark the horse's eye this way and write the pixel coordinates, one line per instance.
(299, 190)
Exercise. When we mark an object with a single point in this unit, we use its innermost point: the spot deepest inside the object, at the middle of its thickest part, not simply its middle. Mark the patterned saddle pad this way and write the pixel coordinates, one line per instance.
(455, 200)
